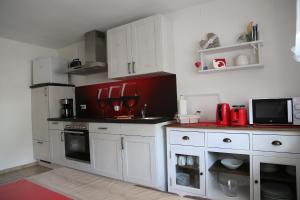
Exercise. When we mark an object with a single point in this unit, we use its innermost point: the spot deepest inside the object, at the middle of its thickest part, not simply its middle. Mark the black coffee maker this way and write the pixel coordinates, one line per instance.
(67, 108)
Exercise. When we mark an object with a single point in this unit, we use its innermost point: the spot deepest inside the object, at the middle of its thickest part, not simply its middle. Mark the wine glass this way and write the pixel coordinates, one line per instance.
(130, 96)
(102, 99)
(115, 94)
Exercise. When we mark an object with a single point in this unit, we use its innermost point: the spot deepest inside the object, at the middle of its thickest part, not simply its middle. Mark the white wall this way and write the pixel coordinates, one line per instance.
(15, 101)
(279, 77)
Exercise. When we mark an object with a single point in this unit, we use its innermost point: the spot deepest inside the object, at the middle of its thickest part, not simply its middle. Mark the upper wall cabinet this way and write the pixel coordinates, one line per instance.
(139, 48)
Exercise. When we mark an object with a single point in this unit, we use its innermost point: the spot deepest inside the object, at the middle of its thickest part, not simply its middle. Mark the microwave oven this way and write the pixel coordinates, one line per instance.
(279, 111)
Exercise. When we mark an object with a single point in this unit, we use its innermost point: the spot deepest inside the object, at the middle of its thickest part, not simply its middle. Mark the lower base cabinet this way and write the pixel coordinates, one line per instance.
(128, 158)
(106, 154)
(284, 174)
(41, 150)
(139, 160)
(187, 170)
(57, 147)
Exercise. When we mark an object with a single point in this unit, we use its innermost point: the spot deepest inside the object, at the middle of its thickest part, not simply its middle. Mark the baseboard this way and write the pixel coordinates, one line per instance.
(18, 167)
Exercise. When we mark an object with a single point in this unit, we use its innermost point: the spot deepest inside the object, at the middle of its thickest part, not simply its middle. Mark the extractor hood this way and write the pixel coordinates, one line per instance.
(95, 54)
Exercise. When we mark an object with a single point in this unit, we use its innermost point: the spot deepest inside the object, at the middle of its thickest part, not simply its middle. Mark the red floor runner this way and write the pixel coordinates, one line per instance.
(24, 189)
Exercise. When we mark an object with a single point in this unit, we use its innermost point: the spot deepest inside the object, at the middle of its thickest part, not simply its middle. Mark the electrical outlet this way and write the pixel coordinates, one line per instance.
(83, 107)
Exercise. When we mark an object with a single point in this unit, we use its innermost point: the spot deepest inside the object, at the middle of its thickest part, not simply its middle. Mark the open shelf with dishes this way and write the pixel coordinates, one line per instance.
(251, 52)
(225, 183)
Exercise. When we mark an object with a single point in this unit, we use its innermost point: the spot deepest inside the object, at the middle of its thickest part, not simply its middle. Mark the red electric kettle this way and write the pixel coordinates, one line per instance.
(238, 116)
(223, 114)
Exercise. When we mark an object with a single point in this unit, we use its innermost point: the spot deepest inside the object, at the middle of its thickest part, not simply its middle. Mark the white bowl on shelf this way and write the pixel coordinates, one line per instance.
(231, 163)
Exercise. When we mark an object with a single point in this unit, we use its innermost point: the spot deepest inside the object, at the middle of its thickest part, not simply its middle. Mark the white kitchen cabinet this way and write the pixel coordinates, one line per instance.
(45, 103)
(40, 113)
(57, 147)
(141, 47)
(282, 167)
(131, 152)
(138, 160)
(119, 51)
(187, 177)
(106, 154)
(50, 69)
(41, 150)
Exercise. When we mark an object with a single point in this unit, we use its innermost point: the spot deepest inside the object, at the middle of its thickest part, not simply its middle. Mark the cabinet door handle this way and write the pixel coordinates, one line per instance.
(227, 140)
(62, 136)
(45, 92)
(133, 68)
(276, 143)
(102, 128)
(186, 138)
(129, 70)
(122, 143)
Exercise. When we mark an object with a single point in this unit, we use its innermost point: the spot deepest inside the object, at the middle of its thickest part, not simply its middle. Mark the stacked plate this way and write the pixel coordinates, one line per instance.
(276, 191)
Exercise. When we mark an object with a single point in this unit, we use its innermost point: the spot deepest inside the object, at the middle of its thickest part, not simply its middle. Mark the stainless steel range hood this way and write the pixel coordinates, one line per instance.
(95, 54)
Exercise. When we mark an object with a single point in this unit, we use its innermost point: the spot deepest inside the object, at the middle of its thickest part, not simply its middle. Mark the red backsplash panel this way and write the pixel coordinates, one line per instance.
(159, 93)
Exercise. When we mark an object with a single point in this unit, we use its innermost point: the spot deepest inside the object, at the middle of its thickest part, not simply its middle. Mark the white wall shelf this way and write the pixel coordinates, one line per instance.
(230, 52)
(232, 68)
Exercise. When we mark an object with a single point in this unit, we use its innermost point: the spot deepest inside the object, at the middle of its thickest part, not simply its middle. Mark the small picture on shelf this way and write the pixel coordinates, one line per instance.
(219, 63)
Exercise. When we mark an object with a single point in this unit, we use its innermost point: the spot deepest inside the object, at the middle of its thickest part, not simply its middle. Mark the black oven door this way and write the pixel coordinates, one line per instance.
(77, 145)
(272, 111)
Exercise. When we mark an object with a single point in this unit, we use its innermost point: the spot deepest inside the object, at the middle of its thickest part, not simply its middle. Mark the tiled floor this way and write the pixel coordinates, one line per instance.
(22, 173)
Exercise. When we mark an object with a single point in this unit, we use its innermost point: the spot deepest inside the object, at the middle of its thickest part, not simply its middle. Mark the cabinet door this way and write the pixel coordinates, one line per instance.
(271, 171)
(40, 113)
(187, 170)
(106, 156)
(147, 45)
(139, 160)
(41, 150)
(41, 70)
(57, 147)
(119, 51)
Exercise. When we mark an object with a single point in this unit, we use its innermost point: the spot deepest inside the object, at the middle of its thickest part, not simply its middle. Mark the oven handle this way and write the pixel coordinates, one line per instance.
(74, 132)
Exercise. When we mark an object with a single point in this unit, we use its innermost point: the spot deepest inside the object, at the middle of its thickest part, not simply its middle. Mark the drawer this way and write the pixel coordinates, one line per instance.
(55, 125)
(228, 140)
(104, 128)
(277, 143)
(187, 138)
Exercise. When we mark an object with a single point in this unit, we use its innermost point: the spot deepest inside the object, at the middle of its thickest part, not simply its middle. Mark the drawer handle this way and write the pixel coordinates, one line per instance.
(54, 123)
(185, 138)
(227, 140)
(40, 142)
(102, 128)
(276, 143)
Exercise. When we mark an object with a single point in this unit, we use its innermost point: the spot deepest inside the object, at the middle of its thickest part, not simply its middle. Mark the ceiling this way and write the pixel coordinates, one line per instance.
(57, 23)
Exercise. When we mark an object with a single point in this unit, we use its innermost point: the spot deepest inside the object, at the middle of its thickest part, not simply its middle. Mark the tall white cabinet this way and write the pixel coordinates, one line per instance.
(45, 103)
(141, 47)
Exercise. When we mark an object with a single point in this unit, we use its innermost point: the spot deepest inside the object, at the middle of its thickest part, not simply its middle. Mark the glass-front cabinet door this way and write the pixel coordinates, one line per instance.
(276, 178)
(188, 168)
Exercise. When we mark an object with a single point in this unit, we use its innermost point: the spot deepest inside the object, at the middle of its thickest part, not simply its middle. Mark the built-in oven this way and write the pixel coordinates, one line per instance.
(77, 145)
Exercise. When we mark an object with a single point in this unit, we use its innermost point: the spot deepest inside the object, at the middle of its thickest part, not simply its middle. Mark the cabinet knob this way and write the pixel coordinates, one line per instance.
(256, 181)
(201, 173)
(185, 138)
(276, 143)
(227, 140)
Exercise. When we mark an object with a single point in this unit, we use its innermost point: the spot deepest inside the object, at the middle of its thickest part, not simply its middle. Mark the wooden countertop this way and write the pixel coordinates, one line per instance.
(212, 125)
